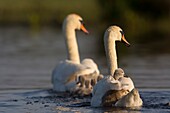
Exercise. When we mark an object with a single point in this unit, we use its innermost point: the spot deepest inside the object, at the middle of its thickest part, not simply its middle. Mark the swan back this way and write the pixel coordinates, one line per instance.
(90, 64)
(100, 89)
(126, 83)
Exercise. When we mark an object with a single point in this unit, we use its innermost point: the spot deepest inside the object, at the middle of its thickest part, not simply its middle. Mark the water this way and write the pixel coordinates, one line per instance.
(45, 101)
(27, 59)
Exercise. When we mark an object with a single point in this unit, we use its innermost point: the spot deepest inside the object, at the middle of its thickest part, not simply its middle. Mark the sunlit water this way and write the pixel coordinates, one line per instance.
(27, 59)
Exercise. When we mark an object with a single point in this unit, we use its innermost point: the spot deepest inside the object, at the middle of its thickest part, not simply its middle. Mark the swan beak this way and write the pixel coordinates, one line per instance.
(84, 29)
(125, 41)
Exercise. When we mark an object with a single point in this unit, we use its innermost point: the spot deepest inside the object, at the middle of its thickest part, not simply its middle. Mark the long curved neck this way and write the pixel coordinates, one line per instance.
(110, 48)
(71, 44)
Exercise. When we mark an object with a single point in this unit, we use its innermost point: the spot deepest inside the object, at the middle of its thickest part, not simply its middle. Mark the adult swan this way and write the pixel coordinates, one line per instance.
(66, 74)
(116, 89)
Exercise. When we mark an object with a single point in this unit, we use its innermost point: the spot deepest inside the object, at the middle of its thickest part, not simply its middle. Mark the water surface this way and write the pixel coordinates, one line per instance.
(27, 59)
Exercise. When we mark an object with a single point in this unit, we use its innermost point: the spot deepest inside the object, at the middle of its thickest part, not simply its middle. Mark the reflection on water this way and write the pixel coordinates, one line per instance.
(45, 101)
(27, 59)
(149, 71)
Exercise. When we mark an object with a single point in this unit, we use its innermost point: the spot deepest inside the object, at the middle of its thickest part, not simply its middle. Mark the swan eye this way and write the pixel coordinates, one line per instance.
(81, 21)
(122, 33)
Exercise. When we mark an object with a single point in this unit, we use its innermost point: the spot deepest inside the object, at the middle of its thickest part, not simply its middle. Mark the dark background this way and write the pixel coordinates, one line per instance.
(146, 23)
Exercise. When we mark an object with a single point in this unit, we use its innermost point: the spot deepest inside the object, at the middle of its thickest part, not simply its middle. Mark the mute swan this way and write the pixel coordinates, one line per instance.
(116, 85)
(65, 74)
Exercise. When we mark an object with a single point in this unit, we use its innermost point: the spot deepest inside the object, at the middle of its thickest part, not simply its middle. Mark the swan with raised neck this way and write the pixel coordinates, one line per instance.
(113, 34)
(65, 74)
(71, 23)
(113, 90)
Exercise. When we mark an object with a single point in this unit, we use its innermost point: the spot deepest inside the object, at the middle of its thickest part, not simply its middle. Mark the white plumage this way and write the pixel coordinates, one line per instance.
(65, 74)
(115, 87)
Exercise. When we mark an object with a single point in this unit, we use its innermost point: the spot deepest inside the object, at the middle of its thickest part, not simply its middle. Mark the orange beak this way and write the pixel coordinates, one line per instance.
(125, 41)
(84, 29)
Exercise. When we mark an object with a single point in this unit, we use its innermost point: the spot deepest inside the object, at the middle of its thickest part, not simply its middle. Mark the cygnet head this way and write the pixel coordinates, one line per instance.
(118, 73)
(116, 33)
(74, 21)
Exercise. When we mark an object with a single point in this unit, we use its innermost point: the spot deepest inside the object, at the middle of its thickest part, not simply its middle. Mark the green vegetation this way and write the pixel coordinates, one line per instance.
(45, 12)
(146, 22)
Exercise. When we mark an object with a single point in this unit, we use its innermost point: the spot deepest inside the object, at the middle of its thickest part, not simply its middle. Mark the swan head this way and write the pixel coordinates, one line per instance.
(118, 73)
(74, 21)
(116, 33)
